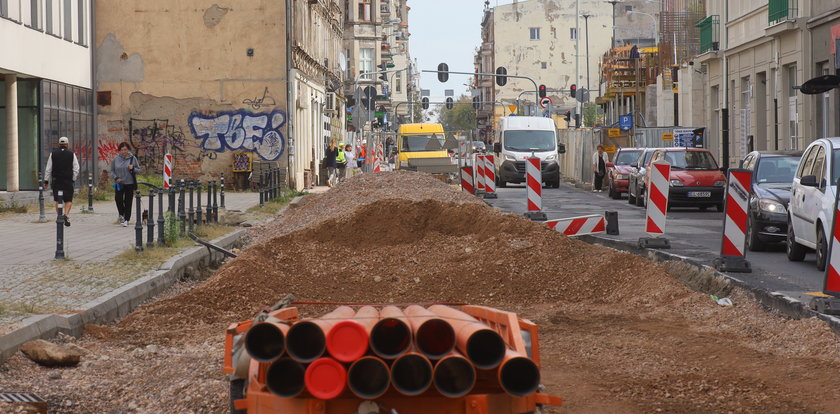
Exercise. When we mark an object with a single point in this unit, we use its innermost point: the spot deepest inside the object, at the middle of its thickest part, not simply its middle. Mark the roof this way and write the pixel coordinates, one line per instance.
(780, 153)
(675, 149)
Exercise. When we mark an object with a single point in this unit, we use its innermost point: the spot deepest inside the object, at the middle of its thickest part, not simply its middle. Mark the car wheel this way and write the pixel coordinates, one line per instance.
(501, 183)
(630, 198)
(611, 192)
(719, 207)
(753, 243)
(795, 251)
(556, 183)
(640, 199)
(822, 249)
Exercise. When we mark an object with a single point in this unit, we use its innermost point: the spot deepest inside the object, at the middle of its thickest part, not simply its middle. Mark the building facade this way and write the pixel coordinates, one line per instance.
(45, 86)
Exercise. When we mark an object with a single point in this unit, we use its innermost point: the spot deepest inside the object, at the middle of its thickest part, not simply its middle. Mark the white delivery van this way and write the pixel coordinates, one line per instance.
(520, 137)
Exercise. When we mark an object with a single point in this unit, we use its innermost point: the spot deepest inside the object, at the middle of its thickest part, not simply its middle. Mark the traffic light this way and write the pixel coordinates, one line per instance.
(476, 103)
(577, 120)
(425, 103)
(382, 76)
(448, 103)
(568, 117)
(501, 79)
(542, 91)
(443, 72)
(573, 90)
(369, 96)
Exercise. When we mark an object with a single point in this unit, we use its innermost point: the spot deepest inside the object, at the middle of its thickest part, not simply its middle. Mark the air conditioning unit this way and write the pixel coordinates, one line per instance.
(330, 102)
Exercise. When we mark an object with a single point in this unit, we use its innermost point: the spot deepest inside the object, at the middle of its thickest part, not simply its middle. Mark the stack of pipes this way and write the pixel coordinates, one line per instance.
(367, 352)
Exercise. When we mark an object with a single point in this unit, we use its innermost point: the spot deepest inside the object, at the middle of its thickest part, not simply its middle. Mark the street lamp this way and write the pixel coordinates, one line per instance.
(655, 23)
(586, 25)
(613, 2)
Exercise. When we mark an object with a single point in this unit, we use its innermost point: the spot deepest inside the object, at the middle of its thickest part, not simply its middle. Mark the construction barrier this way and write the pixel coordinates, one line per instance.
(449, 360)
(490, 176)
(467, 180)
(831, 282)
(734, 242)
(533, 185)
(479, 173)
(579, 226)
(657, 206)
(167, 170)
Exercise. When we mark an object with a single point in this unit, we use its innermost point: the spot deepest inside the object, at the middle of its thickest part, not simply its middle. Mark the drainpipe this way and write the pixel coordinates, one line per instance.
(94, 104)
(290, 105)
(724, 112)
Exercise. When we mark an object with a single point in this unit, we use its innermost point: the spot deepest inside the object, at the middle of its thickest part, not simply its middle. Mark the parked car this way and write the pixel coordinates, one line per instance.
(618, 171)
(636, 182)
(769, 196)
(812, 201)
(695, 179)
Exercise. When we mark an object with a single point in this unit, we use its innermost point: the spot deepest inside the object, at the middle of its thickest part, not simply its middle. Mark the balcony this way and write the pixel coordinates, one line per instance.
(780, 10)
(709, 33)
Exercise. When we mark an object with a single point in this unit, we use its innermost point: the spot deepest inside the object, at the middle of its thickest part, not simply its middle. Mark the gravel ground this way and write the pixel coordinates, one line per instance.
(618, 333)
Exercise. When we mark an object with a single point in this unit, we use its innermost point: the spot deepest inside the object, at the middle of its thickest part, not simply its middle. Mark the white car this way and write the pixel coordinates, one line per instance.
(810, 213)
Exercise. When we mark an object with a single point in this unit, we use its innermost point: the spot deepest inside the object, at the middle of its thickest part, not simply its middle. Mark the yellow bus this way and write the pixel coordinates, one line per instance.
(420, 148)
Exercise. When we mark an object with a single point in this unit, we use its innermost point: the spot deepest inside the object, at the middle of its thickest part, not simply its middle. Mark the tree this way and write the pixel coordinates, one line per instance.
(592, 114)
(460, 118)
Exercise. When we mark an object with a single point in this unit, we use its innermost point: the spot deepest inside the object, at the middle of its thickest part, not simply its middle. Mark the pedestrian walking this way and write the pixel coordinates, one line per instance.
(124, 169)
(341, 163)
(62, 170)
(599, 167)
(362, 152)
(352, 164)
(330, 162)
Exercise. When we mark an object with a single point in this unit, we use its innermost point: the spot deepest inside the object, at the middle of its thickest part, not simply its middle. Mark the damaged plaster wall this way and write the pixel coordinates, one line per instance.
(113, 64)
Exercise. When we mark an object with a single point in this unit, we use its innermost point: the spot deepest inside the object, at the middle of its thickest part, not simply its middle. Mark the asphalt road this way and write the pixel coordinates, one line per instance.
(692, 233)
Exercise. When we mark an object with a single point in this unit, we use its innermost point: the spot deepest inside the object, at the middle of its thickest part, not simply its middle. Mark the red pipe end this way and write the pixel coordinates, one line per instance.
(325, 378)
(347, 341)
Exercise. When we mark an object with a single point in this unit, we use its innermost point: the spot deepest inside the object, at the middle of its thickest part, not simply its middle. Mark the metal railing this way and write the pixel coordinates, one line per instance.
(779, 10)
(709, 33)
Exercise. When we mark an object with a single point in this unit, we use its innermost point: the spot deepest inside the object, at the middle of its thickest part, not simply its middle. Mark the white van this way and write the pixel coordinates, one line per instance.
(520, 137)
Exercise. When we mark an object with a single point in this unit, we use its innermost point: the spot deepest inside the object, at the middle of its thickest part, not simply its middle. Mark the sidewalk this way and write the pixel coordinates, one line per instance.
(31, 282)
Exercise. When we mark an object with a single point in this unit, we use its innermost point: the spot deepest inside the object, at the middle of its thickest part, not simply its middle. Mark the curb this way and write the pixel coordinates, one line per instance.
(789, 306)
(115, 304)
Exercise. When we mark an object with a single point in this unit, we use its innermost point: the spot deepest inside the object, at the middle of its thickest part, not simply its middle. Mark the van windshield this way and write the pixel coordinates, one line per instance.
(417, 143)
(530, 140)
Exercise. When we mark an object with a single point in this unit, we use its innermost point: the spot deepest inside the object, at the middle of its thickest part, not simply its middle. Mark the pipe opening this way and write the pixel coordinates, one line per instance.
(305, 341)
(435, 338)
(486, 349)
(520, 377)
(454, 377)
(284, 378)
(369, 378)
(411, 374)
(390, 338)
(265, 342)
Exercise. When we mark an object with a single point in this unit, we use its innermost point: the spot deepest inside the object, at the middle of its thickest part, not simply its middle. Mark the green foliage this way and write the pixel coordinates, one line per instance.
(460, 118)
(592, 114)
(154, 179)
(171, 229)
(12, 207)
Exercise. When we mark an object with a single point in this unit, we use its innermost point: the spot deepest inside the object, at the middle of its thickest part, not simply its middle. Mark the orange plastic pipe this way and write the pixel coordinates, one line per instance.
(266, 341)
(518, 375)
(325, 378)
(411, 374)
(391, 336)
(454, 375)
(369, 377)
(306, 340)
(433, 336)
(348, 340)
(285, 378)
(482, 345)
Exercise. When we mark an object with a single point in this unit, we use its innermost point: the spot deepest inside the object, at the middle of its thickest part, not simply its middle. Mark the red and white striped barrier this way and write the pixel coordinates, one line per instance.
(467, 180)
(657, 206)
(490, 176)
(579, 226)
(167, 170)
(479, 173)
(831, 284)
(533, 186)
(734, 242)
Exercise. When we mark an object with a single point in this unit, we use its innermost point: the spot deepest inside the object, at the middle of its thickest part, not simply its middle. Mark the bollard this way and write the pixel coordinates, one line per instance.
(222, 196)
(138, 223)
(612, 222)
(42, 218)
(657, 207)
(90, 193)
(490, 176)
(182, 217)
(467, 180)
(150, 220)
(533, 184)
(209, 212)
(260, 185)
(273, 183)
(160, 220)
(191, 213)
(215, 204)
(198, 201)
(59, 231)
(733, 246)
(171, 199)
(478, 170)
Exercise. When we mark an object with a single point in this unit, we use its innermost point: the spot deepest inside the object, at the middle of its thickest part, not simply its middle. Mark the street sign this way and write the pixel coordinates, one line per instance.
(683, 137)
(512, 108)
(625, 122)
(609, 148)
(667, 136)
(613, 132)
(544, 102)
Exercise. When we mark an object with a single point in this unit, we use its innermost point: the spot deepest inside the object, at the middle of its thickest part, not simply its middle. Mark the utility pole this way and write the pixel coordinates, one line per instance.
(577, 53)
(586, 25)
(613, 2)
(724, 112)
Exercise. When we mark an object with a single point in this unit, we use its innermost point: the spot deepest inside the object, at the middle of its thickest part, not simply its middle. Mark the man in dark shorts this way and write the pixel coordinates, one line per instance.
(62, 170)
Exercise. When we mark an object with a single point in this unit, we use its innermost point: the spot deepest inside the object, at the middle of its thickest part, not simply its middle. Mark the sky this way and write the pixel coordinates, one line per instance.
(446, 31)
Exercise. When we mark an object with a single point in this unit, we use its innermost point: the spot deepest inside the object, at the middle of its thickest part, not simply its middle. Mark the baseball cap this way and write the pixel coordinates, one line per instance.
(63, 140)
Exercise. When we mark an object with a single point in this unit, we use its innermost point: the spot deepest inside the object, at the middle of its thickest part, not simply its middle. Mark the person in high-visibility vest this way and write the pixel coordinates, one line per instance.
(341, 162)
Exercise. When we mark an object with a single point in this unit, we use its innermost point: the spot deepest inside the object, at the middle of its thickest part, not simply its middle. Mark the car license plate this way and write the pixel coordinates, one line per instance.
(700, 194)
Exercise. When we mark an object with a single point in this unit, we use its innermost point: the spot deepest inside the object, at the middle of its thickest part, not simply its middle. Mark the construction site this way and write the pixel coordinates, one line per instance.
(594, 330)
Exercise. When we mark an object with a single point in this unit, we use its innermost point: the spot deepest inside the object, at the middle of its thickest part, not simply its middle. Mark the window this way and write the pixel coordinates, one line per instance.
(366, 61)
(35, 14)
(792, 113)
(544, 65)
(68, 20)
(573, 33)
(819, 168)
(535, 33)
(82, 40)
(48, 23)
(364, 11)
(805, 168)
(4, 8)
(628, 9)
(398, 80)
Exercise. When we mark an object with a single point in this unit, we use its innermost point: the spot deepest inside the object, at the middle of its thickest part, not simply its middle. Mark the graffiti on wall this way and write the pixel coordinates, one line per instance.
(259, 102)
(152, 139)
(107, 150)
(241, 130)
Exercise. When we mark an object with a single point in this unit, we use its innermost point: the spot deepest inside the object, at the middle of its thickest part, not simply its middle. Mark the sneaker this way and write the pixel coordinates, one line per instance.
(594, 191)
(125, 223)
(66, 221)
(122, 219)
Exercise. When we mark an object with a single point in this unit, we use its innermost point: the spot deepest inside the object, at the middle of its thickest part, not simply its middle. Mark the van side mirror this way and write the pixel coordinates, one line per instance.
(561, 148)
(808, 180)
(497, 147)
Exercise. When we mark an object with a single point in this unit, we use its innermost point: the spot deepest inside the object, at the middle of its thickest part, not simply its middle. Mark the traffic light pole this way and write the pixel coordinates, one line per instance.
(359, 77)
(489, 74)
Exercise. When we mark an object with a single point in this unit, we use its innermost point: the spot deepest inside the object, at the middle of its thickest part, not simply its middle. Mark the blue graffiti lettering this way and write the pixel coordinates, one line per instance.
(238, 130)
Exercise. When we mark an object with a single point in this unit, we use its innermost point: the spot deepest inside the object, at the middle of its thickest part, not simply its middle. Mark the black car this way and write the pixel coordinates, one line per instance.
(771, 181)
